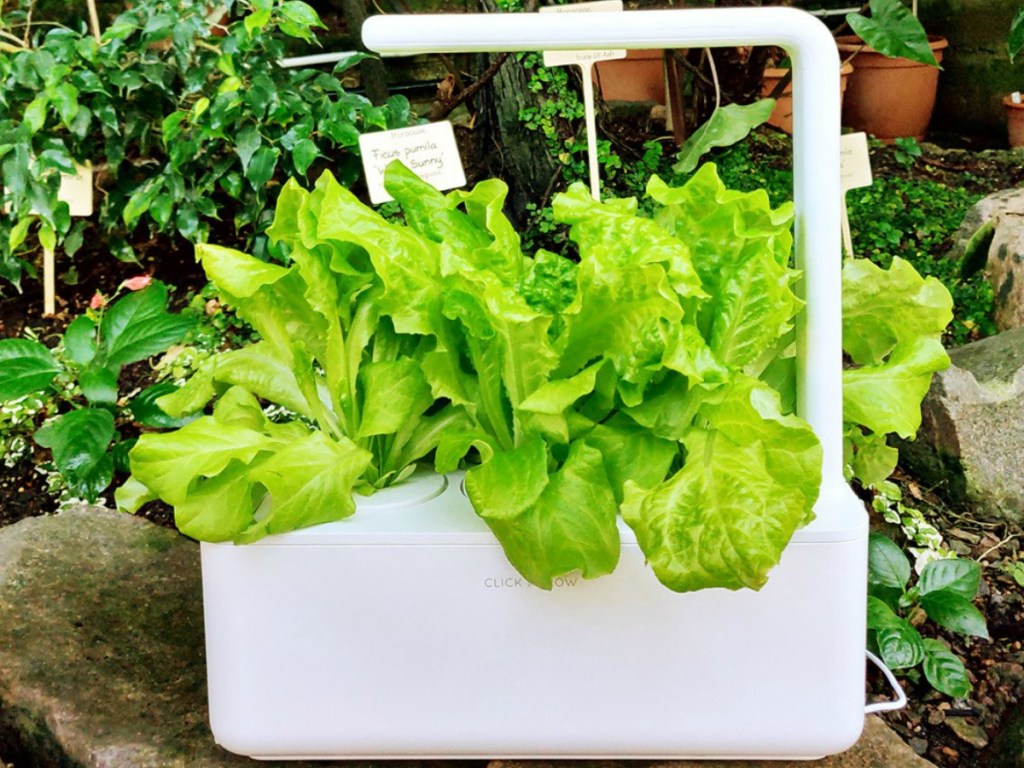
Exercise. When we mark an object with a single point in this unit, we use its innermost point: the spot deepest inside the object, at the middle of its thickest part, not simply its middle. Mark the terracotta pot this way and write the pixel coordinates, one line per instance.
(889, 98)
(1015, 122)
(638, 77)
(782, 115)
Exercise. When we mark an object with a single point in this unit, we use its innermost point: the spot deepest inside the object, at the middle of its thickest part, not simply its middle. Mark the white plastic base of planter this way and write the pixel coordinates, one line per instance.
(402, 632)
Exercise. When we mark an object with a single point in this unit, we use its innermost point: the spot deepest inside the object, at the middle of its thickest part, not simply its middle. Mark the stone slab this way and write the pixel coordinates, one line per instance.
(102, 664)
(971, 440)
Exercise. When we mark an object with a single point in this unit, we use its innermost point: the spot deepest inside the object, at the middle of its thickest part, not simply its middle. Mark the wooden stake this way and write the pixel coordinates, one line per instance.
(590, 116)
(94, 19)
(49, 283)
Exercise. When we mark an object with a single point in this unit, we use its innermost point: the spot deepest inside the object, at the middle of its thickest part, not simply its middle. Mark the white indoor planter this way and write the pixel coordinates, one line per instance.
(402, 631)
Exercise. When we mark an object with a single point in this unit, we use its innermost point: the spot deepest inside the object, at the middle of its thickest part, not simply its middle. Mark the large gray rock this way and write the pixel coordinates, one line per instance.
(1004, 268)
(101, 654)
(971, 440)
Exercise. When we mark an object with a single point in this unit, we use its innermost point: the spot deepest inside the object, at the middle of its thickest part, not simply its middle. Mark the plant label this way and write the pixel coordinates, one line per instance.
(854, 161)
(76, 190)
(429, 151)
(581, 58)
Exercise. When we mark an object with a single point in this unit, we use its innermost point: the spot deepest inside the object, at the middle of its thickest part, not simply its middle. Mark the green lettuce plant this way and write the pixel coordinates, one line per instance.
(653, 379)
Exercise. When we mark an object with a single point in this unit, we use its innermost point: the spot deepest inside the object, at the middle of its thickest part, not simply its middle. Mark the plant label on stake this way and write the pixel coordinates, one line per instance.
(585, 61)
(429, 151)
(76, 191)
(854, 172)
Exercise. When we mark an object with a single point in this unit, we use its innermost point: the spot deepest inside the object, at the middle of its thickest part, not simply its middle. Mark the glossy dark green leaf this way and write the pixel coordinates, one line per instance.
(79, 442)
(887, 565)
(80, 340)
(894, 31)
(99, 385)
(145, 410)
(955, 575)
(303, 155)
(900, 646)
(954, 612)
(944, 671)
(246, 144)
(26, 366)
(1015, 41)
(261, 167)
(976, 251)
(138, 326)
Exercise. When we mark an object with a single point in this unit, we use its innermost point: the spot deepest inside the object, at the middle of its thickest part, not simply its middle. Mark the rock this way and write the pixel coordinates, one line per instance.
(101, 655)
(101, 646)
(971, 440)
(1007, 750)
(1004, 266)
(879, 747)
(966, 731)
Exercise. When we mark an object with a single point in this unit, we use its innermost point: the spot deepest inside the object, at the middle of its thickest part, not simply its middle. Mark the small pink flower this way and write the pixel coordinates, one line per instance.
(137, 283)
(98, 301)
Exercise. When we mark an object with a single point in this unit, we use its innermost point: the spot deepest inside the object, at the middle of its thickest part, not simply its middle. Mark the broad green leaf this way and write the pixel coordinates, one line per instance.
(901, 646)
(137, 326)
(257, 20)
(132, 495)
(632, 453)
(394, 393)
(871, 458)
(303, 154)
(955, 575)
(887, 565)
(880, 615)
(723, 520)
(310, 481)
(35, 113)
(79, 441)
(975, 256)
(99, 385)
(1015, 40)
(168, 463)
(218, 508)
(300, 13)
(80, 340)
(147, 412)
(246, 144)
(489, 488)
(556, 524)
(944, 671)
(261, 167)
(555, 396)
(726, 126)
(19, 232)
(887, 397)
(882, 308)
(894, 31)
(954, 612)
(25, 367)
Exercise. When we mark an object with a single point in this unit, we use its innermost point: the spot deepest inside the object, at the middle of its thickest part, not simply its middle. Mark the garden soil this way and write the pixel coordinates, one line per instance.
(945, 731)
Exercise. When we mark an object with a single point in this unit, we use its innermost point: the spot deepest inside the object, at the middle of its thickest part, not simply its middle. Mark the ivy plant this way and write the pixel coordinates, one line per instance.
(943, 594)
(180, 119)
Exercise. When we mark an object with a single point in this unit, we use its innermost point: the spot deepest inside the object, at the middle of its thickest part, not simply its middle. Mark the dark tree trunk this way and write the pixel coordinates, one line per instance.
(371, 71)
(515, 153)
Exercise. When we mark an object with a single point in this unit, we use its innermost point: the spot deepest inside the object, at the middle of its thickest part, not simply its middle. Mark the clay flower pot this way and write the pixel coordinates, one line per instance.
(638, 77)
(782, 115)
(889, 97)
(1014, 122)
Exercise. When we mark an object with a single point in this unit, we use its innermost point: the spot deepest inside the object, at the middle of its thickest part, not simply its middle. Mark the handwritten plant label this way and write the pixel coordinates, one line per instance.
(75, 190)
(566, 58)
(854, 161)
(429, 151)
